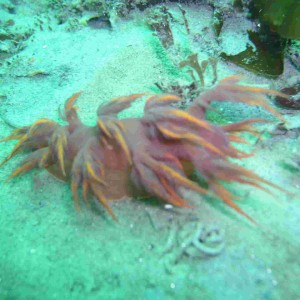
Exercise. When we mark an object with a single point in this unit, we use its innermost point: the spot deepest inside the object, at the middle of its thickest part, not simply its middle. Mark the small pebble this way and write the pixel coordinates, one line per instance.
(274, 282)
(168, 206)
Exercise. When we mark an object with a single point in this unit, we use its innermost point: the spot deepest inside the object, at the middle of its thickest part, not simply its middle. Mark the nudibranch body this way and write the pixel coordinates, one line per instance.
(153, 155)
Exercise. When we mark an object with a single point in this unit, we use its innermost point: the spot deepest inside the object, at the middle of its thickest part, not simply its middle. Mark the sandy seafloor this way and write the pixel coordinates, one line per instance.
(50, 251)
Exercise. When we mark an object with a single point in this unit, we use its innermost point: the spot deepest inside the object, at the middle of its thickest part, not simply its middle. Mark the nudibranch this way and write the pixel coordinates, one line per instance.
(150, 156)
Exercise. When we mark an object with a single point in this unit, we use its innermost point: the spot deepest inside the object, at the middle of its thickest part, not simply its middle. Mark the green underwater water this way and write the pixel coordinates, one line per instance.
(50, 50)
